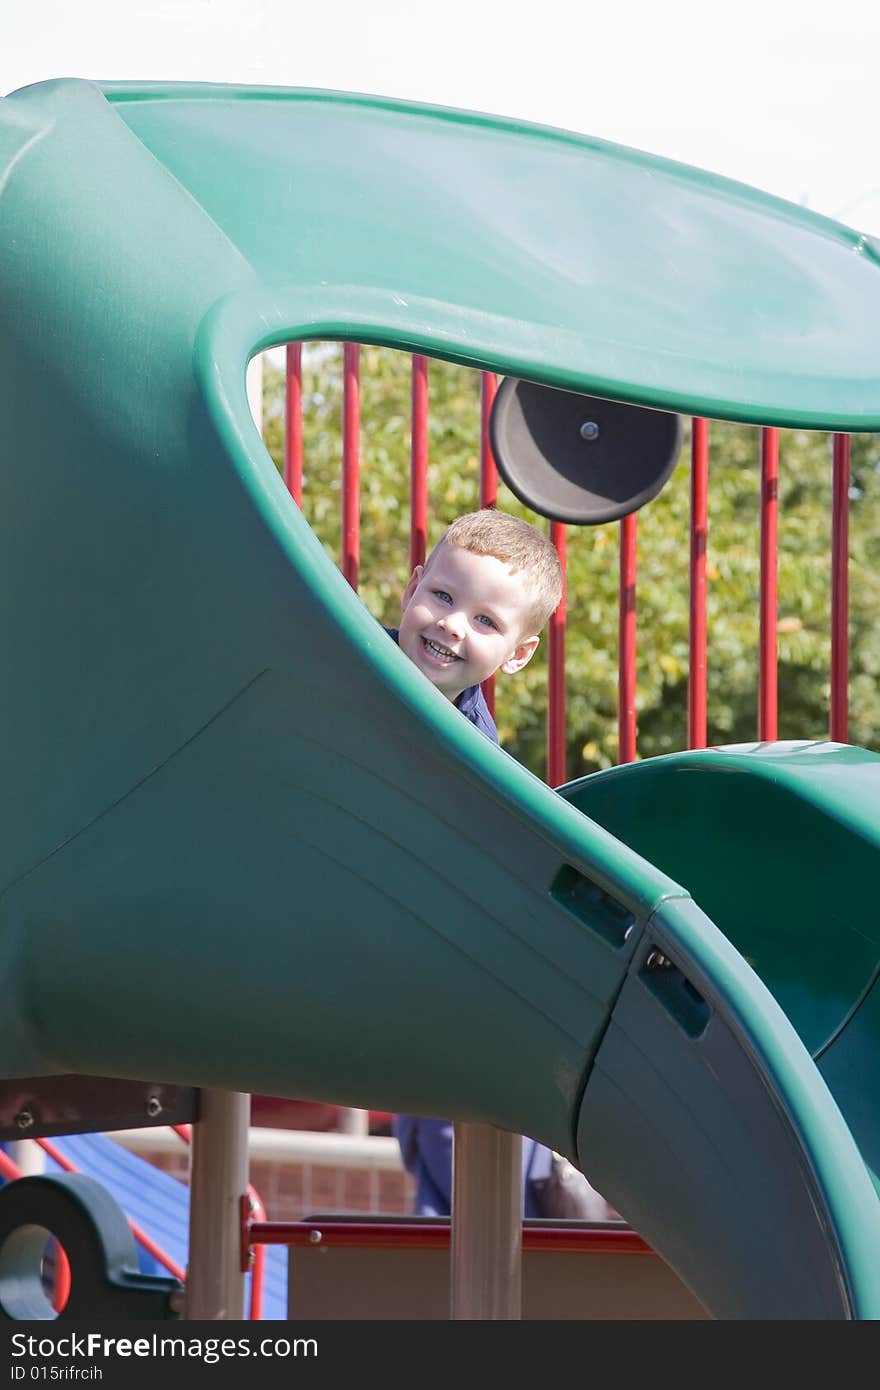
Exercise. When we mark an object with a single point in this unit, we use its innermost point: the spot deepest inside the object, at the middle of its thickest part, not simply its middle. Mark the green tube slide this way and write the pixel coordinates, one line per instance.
(244, 843)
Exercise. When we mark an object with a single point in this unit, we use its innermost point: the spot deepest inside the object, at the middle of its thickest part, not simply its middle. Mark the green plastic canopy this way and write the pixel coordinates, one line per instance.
(244, 843)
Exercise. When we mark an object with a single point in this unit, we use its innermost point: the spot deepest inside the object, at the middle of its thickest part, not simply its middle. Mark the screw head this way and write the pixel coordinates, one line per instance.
(315, 1237)
(655, 960)
(589, 430)
(153, 1107)
(24, 1119)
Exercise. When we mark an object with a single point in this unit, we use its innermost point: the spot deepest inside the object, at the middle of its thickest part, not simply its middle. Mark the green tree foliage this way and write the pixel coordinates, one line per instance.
(733, 564)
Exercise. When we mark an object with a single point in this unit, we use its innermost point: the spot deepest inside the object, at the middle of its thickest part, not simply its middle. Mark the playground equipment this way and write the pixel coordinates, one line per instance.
(215, 758)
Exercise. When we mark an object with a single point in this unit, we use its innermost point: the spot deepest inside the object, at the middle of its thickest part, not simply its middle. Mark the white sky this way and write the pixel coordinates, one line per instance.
(782, 94)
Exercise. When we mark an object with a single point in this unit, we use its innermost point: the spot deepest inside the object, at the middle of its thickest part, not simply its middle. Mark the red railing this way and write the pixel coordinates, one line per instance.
(839, 715)
(699, 538)
(767, 696)
(140, 1235)
(556, 670)
(488, 482)
(404, 1235)
(768, 639)
(418, 542)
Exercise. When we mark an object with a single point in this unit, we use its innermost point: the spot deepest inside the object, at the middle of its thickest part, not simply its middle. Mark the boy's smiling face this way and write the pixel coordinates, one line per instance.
(463, 619)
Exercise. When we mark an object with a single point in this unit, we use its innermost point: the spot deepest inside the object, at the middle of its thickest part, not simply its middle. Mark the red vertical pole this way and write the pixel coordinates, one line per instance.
(839, 717)
(488, 471)
(418, 497)
(488, 482)
(556, 772)
(767, 646)
(351, 430)
(699, 535)
(255, 1211)
(62, 1281)
(293, 431)
(626, 696)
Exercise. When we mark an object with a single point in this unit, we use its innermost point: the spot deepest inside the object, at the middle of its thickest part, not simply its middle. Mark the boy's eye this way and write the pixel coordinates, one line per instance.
(442, 595)
(486, 620)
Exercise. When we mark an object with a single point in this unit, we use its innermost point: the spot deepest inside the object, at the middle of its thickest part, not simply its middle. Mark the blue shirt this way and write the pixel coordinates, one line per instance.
(426, 1151)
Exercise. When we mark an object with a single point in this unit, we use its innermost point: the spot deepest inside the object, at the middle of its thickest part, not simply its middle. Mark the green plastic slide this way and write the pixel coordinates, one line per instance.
(232, 807)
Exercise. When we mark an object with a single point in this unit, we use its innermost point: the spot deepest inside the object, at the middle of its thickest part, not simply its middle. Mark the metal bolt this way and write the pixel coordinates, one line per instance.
(589, 430)
(24, 1119)
(657, 961)
(315, 1237)
(153, 1107)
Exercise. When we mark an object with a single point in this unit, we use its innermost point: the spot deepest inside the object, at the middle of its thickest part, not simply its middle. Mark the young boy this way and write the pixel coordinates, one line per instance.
(477, 606)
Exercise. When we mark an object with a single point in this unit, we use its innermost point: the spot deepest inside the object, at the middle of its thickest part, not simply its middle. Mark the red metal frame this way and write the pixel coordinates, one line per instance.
(582, 1240)
(351, 449)
(767, 642)
(556, 745)
(488, 470)
(293, 429)
(838, 724)
(8, 1169)
(488, 483)
(626, 695)
(418, 527)
(699, 539)
(139, 1234)
(697, 715)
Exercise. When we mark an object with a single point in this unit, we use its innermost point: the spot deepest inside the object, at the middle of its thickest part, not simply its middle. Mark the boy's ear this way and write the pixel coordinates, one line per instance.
(521, 656)
(413, 584)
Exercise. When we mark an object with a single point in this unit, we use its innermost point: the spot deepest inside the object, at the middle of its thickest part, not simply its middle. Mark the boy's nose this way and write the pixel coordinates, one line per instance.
(454, 624)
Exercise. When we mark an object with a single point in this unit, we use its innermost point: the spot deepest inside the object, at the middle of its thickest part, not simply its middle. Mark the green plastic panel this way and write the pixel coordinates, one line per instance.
(531, 251)
(780, 845)
(851, 1066)
(703, 1118)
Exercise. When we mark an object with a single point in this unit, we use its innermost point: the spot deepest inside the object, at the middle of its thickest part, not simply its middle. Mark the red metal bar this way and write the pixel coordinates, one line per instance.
(488, 471)
(258, 1272)
(626, 694)
(61, 1290)
(351, 432)
(418, 501)
(767, 645)
(699, 537)
(839, 714)
(614, 1240)
(139, 1234)
(556, 771)
(488, 482)
(293, 425)
(8, 1170)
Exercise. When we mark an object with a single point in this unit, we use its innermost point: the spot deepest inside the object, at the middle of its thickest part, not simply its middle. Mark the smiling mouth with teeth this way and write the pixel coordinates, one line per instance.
(437, 650)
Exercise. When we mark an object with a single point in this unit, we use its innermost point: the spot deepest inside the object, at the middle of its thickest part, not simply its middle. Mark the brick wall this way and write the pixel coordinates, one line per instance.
(290, 1192)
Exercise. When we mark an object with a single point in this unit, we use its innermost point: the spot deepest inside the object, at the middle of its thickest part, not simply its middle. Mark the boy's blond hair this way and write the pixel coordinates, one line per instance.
(516, 543)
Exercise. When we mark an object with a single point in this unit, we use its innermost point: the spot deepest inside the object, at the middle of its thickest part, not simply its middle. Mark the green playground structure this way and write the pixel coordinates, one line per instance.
(215, 761)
